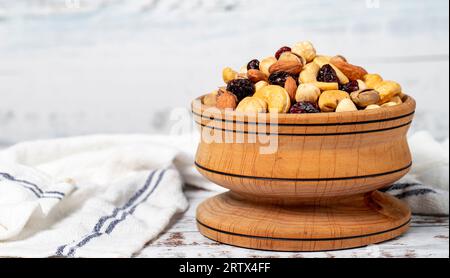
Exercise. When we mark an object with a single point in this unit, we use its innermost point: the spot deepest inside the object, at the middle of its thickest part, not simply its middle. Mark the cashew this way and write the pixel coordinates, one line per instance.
(306, 50)
(266, 63)
(388, 90)
(372, 107)
(364, 98)
(329, 100)
(325, 86)
(229, 74)
(346, 105)
(252, 105)
(260, 85)
(309, 73)
(210, 99)
(324, 60)
(277, 98)
(362, 85)
(389, 104)
(307, 92)
(372, 80)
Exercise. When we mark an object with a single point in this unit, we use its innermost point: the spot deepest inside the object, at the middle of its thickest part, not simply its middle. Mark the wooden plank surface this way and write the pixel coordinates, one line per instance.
(427, 238)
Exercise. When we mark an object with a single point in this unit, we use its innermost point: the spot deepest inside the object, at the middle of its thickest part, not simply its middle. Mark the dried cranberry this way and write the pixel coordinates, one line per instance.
(304, 107)
(278, 78)
(327, 74)
(281, 51)
(350, 87)
(242, 88)
(253, 64)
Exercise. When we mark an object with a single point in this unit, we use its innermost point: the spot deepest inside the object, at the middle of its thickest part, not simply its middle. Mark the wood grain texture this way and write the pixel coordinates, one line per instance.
(323, 175)
(428, 237)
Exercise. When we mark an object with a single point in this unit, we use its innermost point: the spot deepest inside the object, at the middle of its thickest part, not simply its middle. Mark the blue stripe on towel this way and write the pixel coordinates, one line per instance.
(130, 203)
(416, 192)
(34, 188)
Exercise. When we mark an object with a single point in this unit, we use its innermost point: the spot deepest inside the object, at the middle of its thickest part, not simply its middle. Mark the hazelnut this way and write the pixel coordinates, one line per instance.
(364, 98)
(265, 64)
(289, 56)
(346, 105)
(372, 107)
(210, 99)
(388, 90)
(307, 92)
(229, 74)
(259, 85)
(226, 100)
(372, 80)
(252, 105)
(329, 100)
(305, 49)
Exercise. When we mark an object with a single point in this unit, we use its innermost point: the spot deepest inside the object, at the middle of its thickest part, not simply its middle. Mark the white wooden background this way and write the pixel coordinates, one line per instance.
(72, 67)
(122, 66)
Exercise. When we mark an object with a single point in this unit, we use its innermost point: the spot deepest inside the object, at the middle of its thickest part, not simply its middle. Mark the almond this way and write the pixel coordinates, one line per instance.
(292, 67)
(291, 87)
(351, 71)
(256, 75)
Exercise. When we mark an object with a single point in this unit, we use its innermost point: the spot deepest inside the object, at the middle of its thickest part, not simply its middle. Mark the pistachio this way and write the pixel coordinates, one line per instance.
(372, 80)
(229, 74)
(372, 107)
(252, 105)
(210, 99)
(265, 64)
(226, 100)
(307, 92)
(388, 90)
(306, 50)
(346, 105)
(364, 98)
(259, 85)
(329, 100)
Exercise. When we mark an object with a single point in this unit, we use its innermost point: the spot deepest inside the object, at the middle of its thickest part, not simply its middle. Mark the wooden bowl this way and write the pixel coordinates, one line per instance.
(316, 189)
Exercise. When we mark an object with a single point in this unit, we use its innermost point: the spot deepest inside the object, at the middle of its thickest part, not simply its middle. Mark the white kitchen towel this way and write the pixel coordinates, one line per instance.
(107, 196)
(95, 196)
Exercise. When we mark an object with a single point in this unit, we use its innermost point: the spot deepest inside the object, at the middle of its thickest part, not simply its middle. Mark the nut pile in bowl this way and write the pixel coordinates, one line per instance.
(297, 80)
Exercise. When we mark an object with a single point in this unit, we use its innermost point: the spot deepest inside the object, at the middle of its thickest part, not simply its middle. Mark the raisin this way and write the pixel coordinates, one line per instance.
(304, 107)
(350, 87)
(281, 51)
(242, 88)
(327, 74)
(279, 78)
(253, 64)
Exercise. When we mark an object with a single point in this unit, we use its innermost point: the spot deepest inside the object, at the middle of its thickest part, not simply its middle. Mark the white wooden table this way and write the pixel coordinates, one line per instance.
(428, 237)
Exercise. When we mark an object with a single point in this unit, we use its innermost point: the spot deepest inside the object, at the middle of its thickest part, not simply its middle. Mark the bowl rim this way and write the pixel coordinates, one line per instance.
(404, 110)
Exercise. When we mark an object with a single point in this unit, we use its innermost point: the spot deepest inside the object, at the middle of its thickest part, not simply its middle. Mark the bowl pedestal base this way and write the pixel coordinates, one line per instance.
(303, 225)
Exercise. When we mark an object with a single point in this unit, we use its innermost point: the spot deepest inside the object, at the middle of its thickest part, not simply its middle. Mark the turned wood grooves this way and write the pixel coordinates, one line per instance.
(317, 191)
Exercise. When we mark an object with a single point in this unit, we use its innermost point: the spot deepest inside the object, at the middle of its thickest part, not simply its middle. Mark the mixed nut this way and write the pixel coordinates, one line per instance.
(297, 80)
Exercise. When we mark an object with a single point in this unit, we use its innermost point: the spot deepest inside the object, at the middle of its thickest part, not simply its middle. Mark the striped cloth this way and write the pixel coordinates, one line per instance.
(107, 196)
